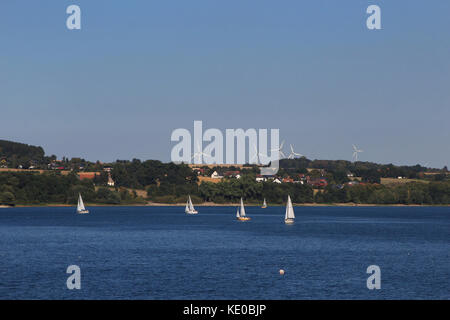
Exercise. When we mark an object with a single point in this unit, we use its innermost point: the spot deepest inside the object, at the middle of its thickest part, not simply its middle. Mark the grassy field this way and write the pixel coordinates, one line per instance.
(399, 181)
(208, 179)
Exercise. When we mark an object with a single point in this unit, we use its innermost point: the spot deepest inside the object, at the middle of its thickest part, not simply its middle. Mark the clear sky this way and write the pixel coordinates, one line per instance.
(137, 70)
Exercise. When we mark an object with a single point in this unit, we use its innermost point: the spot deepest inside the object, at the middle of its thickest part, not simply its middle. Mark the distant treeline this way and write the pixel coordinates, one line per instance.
(337, 170)
(433, 193)
(14, 154)
(35, 189)
(230, 190)
(171, 183)
(138, 174)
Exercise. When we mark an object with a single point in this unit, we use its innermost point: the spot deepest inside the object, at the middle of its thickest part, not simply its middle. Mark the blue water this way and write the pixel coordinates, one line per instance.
(160, 253)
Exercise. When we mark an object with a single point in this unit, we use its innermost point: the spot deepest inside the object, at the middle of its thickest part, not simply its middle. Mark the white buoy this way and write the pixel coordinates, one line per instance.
(281, 272)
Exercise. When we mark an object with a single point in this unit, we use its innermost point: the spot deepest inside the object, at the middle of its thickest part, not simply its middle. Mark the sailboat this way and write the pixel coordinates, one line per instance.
(240, 215)
(290, 216)
(80, 207)
(190, 207)
(264, 204)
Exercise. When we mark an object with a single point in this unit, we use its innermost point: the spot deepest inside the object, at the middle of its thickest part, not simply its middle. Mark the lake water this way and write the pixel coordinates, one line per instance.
(161, 253)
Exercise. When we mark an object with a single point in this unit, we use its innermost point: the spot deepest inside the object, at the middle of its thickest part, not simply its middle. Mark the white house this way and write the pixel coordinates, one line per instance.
(215, 175)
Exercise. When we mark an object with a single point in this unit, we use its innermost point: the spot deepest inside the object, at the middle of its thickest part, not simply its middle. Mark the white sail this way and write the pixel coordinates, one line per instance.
(191, 206)
(289, 210)
(80, 206)
(187, 207)
(237, 213)
(242, 208)
(264, 204)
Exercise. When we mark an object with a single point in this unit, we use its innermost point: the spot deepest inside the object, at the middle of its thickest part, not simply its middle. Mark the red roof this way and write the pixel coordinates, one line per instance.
(232, 173)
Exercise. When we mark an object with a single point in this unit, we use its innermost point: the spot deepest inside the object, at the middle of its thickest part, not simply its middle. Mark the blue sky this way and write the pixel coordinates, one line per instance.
(140, 69)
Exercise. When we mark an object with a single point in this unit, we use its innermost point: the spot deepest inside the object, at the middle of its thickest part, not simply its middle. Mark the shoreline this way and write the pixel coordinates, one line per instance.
(212, 204)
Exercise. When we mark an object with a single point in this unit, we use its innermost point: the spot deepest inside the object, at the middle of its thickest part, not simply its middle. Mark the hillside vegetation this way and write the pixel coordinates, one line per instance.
(346, 182)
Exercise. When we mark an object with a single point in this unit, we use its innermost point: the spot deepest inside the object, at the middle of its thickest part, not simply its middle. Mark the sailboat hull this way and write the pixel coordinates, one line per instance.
(289, 221)
(83, 212)
(192, 212)
(243, 218)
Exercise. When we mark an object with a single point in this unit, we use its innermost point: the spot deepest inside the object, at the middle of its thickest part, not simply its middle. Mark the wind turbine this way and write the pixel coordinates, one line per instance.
(257, 156)
(279, 150)
(200, 154)
(355, 153)
(293, 154)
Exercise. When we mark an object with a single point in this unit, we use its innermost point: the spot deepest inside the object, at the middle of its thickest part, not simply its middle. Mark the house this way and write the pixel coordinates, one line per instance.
(288, 180)
(349, 175)
(318, 182)
(260, 178)
(277, 181)
(215, 175)
(232, 174)
(199, 171)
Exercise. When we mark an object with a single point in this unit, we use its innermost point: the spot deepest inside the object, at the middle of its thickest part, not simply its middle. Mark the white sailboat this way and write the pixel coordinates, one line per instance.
(290, 216)
(80, 207)
(264, 204)
(190, 207)
(240, 215)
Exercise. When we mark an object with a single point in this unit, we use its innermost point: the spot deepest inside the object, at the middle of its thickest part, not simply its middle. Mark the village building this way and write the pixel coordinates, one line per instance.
(232, 174)
(317, 182)
(216, 175)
